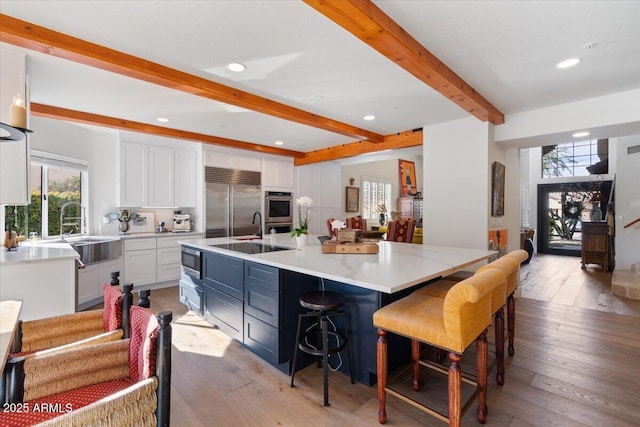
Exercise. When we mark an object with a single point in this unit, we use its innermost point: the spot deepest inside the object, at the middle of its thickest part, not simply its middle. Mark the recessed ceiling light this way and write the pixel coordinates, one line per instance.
(369, 117)
(279, 143)
(237, 67)
(568, 63)
(580, 134)
(162, 119)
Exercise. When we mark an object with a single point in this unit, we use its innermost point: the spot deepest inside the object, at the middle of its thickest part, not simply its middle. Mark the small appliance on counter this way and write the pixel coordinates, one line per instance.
(181, 222)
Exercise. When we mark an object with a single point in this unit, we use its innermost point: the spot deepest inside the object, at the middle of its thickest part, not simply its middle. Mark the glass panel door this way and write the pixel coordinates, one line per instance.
(562, 208)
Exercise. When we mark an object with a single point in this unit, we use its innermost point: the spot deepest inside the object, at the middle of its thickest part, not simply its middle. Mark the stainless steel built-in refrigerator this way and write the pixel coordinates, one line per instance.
(232, 197)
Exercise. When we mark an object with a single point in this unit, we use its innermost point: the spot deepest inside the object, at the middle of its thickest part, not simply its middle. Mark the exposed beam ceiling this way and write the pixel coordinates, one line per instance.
(410, 138)
(30, 36)
(122, 124)
(366, 21)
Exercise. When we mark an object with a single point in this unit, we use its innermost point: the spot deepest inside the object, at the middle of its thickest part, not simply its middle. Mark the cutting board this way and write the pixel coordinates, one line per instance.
(333, 247)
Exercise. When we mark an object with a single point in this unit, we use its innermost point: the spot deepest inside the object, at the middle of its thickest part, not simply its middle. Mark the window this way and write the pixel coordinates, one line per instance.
(375, 192)
(55, 181)
(581, 158)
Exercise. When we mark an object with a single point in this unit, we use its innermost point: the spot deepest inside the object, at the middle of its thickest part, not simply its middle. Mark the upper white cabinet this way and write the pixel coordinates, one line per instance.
(222, 159)
(186, 172)
(277, 173)
(160, 177)
(134, 175)
(15, 156)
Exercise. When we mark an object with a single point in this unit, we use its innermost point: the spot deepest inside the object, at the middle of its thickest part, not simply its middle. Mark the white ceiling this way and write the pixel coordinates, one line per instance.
(506, 50)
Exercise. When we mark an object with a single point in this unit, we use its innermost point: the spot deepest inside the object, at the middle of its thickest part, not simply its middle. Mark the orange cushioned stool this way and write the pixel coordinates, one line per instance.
(451, 323)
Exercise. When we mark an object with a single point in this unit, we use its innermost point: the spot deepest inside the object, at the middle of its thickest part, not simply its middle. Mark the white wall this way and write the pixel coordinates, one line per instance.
(386, 169)
(627, 194)
(97, 148)
(456, 183)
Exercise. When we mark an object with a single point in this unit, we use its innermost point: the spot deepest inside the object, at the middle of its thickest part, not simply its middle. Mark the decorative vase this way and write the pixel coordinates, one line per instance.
(301, 240)
(382, 218)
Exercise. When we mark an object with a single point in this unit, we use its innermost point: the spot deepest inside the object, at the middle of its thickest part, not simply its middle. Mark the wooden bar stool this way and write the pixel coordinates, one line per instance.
(510, 267)
(451, 323)
(512, 284)
(323, 305)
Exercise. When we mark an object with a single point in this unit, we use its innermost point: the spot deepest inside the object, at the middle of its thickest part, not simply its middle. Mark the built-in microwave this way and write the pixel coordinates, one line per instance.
(191, 260)
(278, 206)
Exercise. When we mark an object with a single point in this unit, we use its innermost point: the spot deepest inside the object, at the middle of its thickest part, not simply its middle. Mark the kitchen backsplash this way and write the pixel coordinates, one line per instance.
(149, 226)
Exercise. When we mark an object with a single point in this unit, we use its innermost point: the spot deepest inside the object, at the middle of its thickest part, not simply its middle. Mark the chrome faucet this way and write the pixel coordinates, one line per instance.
(253, 221)
(82, 217)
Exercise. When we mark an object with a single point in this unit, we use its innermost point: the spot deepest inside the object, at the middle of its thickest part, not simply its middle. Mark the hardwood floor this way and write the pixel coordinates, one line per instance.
(576, 363)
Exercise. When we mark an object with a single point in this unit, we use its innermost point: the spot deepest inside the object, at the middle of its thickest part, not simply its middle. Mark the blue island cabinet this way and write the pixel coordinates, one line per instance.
(223, 285)
(258, 305)
(248, 302)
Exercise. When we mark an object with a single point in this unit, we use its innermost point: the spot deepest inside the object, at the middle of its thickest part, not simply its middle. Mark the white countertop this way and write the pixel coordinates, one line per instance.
(38, 253)
(397, 265)
(49, 250)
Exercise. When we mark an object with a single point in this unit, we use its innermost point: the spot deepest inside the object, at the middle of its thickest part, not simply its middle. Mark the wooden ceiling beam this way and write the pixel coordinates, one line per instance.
(58, 113)
(406, 139)
(365, 20)
(30, 36)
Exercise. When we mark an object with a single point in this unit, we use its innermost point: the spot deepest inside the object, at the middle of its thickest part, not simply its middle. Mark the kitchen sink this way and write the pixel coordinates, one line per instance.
(95, 250)
(92, 249)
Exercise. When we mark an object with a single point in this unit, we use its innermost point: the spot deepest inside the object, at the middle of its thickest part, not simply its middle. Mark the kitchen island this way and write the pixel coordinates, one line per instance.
(253, 297)
(42, 277)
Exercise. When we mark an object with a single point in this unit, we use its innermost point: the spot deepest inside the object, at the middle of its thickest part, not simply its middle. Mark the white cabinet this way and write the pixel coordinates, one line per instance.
(160, 177)
(15, 156)
(140, 261)
(168, 258)
(405, 207)
(87, 284)
(92, 278)
(277, 173)
(153, 260)
(232, 161)
(321, 182)
(185, 174)
(134, 175)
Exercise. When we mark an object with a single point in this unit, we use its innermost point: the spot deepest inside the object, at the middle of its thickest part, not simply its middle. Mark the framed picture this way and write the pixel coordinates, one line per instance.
(408, 183)
(353, 199)
(497, 189)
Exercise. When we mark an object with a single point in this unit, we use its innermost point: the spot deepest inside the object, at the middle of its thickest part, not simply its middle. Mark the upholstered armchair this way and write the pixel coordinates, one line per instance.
(123, 383)
(77, 329)
(401, 230)
(356, 223)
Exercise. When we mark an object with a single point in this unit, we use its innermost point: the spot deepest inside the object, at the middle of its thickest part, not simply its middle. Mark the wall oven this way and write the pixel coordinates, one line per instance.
(278, 207)
(191, 260)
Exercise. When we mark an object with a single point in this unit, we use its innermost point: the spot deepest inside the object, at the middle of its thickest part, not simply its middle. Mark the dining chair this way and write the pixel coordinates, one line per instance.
(356, 223)
(401, 230)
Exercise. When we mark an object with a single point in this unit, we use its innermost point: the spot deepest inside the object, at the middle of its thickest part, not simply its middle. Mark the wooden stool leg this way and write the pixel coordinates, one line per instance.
(499, 336)
(511, 318)
(455, 385)
(481, 368)
(325, 359)
(415, 361)
(382, 376)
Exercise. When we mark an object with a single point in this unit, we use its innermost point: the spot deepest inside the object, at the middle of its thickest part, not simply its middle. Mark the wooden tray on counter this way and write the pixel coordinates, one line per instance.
(334, 247)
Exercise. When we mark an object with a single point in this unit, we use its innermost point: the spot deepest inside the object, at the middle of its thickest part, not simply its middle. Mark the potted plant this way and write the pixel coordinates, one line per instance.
(304, 206)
